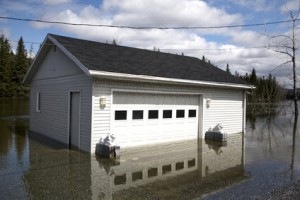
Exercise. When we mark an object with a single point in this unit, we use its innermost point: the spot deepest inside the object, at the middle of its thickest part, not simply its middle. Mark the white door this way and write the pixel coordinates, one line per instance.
(143, 118)
(74, 119)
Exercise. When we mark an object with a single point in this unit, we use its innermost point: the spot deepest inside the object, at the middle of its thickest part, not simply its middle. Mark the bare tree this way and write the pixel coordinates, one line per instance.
(287, 44)
(292, 165)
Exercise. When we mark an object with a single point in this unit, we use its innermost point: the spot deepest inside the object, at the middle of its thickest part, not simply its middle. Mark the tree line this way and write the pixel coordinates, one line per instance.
(267, 93)
(13, 67)
(264, 99)
(268, 90)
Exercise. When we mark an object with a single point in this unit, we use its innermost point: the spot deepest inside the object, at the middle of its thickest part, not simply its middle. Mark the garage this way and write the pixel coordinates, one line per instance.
(142, 97)
(150, 118)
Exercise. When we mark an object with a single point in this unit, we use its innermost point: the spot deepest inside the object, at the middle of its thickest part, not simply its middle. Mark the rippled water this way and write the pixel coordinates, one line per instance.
(32, 168)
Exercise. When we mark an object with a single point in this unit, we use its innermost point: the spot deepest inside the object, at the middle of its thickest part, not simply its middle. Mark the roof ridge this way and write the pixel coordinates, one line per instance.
(122, 46)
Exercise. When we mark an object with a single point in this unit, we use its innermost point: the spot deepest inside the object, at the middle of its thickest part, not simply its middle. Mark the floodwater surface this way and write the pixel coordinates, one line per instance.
(32, 168)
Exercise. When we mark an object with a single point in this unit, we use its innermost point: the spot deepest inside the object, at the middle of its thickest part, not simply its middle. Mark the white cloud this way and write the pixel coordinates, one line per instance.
(168, 13)
(173, 13)
(247, 38)
(145, 13)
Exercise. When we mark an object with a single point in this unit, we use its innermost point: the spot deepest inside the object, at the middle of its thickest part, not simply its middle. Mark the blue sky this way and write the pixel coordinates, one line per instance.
(220, 46)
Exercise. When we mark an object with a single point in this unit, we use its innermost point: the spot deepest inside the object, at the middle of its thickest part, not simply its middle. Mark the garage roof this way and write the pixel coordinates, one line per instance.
(96, 56)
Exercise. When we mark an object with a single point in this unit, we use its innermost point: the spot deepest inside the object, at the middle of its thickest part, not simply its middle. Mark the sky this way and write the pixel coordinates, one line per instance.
(243, 48)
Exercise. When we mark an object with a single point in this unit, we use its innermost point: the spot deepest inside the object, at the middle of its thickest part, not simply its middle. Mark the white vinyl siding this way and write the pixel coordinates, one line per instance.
(53, 118)
(56, 64)
(54, 89)
(226, 105)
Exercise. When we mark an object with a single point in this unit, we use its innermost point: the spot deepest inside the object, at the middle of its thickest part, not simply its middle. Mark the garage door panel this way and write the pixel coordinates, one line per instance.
(153, 99)
(138, 129)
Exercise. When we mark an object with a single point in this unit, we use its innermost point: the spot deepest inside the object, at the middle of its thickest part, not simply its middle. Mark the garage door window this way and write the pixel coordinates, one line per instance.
(120, 115)
(167, 114)
(192, 113)
(137, 114)
(153, 114)
(179, 113)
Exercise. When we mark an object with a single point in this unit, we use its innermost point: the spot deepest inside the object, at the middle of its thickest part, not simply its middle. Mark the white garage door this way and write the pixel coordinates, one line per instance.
(143, 118)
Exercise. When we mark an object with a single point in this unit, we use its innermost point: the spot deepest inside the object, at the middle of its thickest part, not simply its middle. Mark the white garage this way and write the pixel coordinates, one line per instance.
(149, 118)
(81, 90)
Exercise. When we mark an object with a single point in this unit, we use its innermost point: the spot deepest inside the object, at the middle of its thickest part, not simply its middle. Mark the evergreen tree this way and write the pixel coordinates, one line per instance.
(20, 62)
(227, 69)
(6, 58)
(20, 67)
(13, 68)
(246, 78)
(253, 77)
(263, 100)
(8, 69)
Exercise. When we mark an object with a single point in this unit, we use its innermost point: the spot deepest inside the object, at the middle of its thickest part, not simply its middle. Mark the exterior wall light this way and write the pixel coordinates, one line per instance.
(208, 101)
(102, 102)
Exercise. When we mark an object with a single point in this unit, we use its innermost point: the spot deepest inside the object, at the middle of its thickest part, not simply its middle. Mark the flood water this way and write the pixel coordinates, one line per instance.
(32, 168)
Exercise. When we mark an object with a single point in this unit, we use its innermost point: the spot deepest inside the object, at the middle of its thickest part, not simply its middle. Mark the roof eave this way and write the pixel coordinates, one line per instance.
(133, 77)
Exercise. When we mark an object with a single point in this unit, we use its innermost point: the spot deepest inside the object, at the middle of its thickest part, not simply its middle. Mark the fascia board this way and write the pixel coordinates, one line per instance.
(133, 77)
(70, 55)
(32, 69)
(43, 50)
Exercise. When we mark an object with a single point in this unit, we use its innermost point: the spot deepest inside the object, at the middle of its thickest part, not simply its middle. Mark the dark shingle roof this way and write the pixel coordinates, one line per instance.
(120, 59)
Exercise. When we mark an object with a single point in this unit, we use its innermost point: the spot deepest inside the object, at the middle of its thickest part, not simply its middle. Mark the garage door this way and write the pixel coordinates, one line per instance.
(144, 118)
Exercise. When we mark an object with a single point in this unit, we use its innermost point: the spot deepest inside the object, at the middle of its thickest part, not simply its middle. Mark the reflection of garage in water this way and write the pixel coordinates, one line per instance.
(171, 170)
(83, 90)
